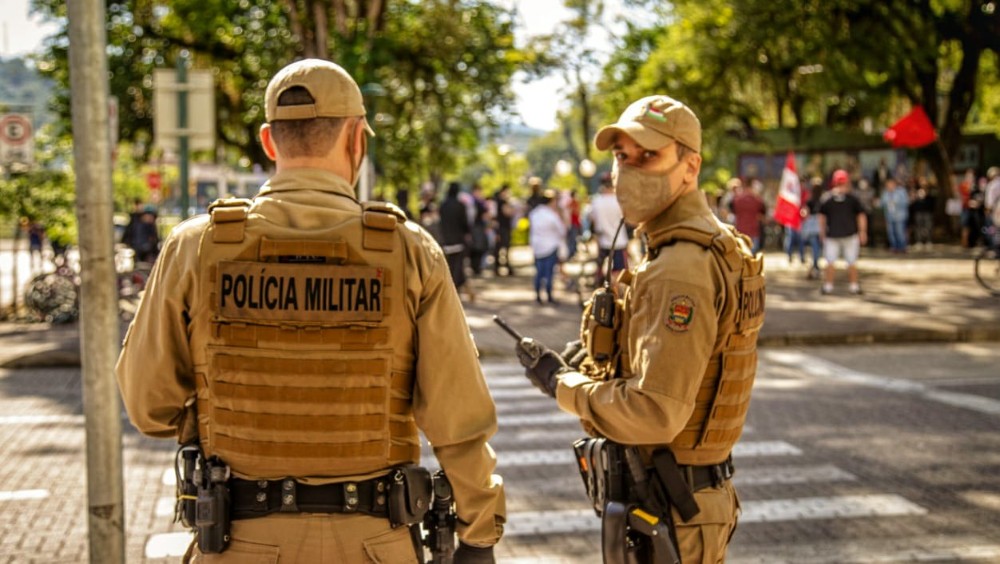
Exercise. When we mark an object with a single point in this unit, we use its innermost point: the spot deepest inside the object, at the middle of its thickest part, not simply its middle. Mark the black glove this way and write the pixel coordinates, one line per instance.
(473, 554)
(541, 364)
(573, 354)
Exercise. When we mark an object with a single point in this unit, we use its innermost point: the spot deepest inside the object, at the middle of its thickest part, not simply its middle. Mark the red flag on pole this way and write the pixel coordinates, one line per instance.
(786, 209)
(913, 130)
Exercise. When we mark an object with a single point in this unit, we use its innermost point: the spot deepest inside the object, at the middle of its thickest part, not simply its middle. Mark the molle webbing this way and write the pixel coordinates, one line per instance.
(316, 385)
(334, 250)
(346, 338)
(724, 396)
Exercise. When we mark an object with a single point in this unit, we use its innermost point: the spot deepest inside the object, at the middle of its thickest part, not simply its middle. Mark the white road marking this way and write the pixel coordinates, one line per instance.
(927, 548)
(839, 507)
(761, 476)
(558, 456)
(765, 448)
(21, 495)
(831, 371)
(41, 419)
(165, 507)
(557, 418)
(167, 545)
(518, 392)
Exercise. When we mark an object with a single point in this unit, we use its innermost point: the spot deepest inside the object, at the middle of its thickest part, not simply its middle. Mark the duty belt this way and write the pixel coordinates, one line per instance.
(258, 498)
(701, 477)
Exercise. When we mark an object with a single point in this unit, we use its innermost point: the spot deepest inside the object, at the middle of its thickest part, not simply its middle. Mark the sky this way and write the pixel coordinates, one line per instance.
(537, 101)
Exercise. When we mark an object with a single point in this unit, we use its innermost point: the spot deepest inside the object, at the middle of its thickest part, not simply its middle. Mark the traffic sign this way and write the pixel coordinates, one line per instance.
(16, 136)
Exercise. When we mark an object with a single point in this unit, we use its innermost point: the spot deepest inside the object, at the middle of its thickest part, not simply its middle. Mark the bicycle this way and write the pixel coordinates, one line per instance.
(987, 262)
(54, 297)
(580, 270)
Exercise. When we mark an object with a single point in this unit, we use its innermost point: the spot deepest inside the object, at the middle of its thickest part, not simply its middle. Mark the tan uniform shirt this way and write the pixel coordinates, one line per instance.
(451, 402)
(667, 355)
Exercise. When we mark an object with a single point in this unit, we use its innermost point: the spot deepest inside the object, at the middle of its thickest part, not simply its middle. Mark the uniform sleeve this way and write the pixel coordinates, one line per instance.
(454, 409)
(154, 370)
(671, 336)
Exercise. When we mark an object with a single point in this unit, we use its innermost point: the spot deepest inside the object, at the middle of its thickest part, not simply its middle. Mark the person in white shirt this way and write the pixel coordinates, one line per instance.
(993, 195)
(605, 217)
(546, 234)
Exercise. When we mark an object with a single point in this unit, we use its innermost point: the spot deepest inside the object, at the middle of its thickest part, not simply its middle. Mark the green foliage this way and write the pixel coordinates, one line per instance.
(759, 64)
(444, 68)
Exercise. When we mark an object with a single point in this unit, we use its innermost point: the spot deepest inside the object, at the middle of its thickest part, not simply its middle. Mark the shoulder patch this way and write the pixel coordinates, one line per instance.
(680, 313)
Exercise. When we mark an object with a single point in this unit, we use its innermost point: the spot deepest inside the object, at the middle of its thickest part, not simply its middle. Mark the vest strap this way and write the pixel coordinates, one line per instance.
(229, 218)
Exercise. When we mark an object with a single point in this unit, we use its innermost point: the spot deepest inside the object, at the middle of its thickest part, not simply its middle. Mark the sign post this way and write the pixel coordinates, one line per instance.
(16, 139)
(183, 116)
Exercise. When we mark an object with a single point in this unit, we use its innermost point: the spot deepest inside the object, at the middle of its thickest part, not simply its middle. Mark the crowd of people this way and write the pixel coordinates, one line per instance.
(475, 231)
(839, 216)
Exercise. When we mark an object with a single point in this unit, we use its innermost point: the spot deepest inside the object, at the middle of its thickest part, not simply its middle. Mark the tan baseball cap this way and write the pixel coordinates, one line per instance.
(654, 121)
(334, 92)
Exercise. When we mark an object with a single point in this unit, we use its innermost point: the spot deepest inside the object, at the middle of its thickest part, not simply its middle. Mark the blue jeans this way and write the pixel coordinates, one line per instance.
(816, 247)
(896, 229)
(795, 243)
(544, 272)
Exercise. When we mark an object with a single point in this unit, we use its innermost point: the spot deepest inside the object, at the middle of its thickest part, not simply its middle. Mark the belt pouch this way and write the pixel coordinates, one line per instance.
(410, 490)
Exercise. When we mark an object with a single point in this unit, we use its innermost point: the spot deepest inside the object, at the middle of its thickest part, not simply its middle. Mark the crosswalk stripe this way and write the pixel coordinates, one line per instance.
(165, 506)
(531, 523)
(167, 545)
(564, 455)
(41, 419)
(21, 495)
(554, 418)
(868, 505)
(926, 548)
(831, 371)
(761, 476)
(517, 392)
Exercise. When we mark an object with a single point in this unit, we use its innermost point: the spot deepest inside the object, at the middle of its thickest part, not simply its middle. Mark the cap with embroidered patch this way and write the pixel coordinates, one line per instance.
(334, 92)
(654, 121)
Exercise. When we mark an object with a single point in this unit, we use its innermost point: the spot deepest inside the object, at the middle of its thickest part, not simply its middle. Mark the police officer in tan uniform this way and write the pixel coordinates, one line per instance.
(302, 338)
(670, 363)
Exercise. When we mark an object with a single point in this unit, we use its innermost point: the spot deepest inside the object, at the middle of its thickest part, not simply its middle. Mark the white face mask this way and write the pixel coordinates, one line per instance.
(642, 195)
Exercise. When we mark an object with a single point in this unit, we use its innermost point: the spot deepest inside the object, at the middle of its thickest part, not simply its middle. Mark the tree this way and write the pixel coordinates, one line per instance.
(833, 63)
(444, 67)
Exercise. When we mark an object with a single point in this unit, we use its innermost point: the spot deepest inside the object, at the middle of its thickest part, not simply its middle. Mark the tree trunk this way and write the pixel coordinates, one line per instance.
(321, 29)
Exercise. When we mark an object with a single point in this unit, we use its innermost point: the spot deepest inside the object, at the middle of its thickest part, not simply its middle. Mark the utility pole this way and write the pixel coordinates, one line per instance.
(182, 128)
(99, 327)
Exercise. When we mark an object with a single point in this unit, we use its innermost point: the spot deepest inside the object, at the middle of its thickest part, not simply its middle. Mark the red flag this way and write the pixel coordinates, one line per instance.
(786, 209)
(913, 130)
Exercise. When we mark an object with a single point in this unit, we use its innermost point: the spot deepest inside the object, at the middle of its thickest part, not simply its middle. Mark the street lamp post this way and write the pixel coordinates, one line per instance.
(503, 150)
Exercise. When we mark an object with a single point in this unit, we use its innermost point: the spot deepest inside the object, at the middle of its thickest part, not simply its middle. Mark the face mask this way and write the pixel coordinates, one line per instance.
(642, 195)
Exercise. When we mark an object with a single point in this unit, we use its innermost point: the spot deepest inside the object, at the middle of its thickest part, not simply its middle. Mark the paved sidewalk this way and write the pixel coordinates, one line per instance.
(920, 297)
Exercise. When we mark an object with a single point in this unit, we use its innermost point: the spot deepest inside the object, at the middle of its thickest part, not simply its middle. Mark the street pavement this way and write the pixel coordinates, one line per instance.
(927, 299)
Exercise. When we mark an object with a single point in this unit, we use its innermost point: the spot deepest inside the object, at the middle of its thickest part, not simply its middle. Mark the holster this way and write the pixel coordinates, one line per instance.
(630, 535)
(602, 466)
(410, 492)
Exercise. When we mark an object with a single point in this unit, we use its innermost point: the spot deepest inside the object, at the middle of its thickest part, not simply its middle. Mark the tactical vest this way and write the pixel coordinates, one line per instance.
(723, 398)
(307, 365)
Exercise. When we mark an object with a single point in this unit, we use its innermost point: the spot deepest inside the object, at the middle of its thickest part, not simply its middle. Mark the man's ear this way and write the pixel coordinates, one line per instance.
(692, 167)
(358, 145)
(267, 142)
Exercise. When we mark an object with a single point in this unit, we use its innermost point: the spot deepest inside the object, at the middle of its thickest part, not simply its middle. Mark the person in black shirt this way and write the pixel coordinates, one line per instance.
(843, 228)
(505, 223)
(455, 235)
